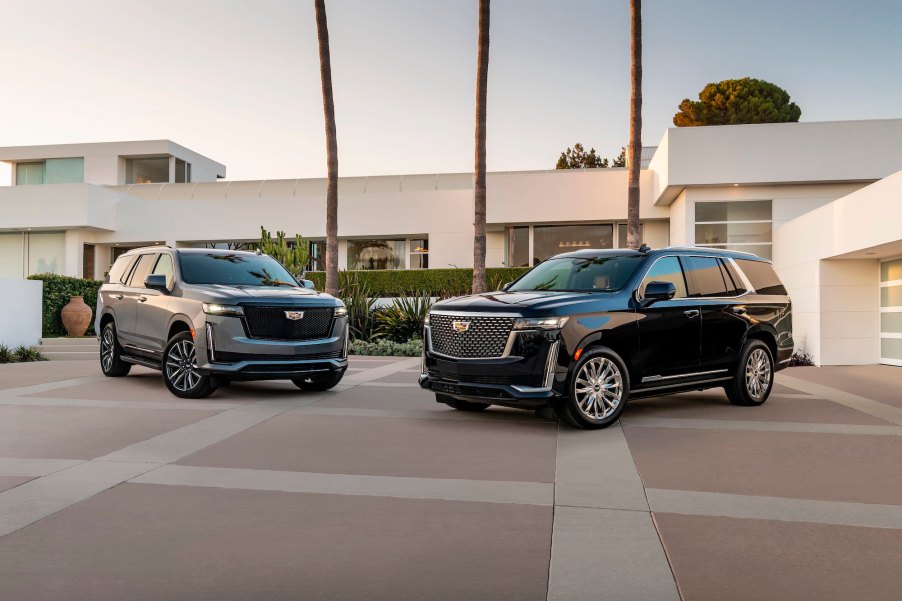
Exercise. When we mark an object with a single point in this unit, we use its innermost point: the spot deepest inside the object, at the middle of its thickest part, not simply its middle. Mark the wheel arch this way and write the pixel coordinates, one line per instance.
(766, 334)
(177, 324)
(613, 340)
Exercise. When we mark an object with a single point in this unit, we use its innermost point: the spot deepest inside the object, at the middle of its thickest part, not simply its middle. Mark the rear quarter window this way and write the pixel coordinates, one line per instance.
(119, 270)
(762, 276)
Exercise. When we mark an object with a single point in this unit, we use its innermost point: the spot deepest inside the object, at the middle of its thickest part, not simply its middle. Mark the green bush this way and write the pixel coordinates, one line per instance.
(404, 319)
(57, 290)
(438, 282)
(21, 354)
(386, 348)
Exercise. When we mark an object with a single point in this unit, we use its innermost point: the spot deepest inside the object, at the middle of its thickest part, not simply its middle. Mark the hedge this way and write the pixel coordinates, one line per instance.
(438, 282)
(57, 290)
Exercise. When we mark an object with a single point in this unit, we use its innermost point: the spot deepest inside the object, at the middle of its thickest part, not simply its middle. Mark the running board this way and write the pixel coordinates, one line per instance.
(143, 362)
(688, 385)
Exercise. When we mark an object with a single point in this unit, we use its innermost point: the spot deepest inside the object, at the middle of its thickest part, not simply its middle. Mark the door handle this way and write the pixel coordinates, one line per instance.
(118, 296)
(740, 310)
(691, 313)
(142, 298)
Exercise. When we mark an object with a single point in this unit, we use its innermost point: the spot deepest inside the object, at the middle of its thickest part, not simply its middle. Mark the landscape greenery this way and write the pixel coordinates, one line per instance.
(20, 354)
(738, 101)
(57, 291)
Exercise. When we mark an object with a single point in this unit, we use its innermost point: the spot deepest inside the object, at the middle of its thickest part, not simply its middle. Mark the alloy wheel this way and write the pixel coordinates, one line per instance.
(598, 388)
(181, 366)
(757, 374)
(107, 349)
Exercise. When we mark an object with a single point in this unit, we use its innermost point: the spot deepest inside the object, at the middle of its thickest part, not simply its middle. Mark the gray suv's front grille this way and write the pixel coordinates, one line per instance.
(469, 337)
(272, 323)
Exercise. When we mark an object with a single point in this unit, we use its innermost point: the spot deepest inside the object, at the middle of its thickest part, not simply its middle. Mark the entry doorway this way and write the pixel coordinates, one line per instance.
(87, 262)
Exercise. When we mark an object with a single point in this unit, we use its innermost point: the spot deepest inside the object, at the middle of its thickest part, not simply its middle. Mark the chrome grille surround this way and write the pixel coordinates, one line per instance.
(485, 337)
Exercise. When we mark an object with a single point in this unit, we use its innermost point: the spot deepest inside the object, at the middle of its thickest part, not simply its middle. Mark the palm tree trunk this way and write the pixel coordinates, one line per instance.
(325, 71)
(482, 72)
(632, 211)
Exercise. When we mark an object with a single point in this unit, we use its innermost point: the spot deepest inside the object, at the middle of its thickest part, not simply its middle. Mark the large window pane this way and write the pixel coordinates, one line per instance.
(621, 234)
(28, 174)
(11, 255)
(64, 171)
(891, 348)
(891, 296)
(46, 253)
(707, 277)
(550, 240)
(376, 254)
(518, 251)
(147, 171)
(891, 270)
(732, 233)
(891, 323)
(749, 210)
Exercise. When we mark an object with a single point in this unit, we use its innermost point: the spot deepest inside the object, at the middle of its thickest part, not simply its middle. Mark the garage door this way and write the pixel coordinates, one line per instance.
(891, 312)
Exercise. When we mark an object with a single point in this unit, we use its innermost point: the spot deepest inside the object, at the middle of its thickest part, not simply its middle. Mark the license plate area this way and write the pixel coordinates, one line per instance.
(446, 387)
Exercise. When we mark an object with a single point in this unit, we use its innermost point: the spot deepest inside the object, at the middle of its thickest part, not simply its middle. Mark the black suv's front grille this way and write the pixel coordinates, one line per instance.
(272, 323)
(469, 337)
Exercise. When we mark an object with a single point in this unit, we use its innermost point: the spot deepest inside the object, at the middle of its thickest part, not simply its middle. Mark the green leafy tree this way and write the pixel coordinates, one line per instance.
(620, 161)
(578, 158)
(293, 256)
(736, 101)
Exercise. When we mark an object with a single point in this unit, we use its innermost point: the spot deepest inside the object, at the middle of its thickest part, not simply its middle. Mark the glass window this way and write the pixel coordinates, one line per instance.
(891, 348)
(145, 264)
(28, 174)
(164, 267)
(891, 296)
(12, 255)
(737, 210)
(233, 269)
(762, 276)
(735, 285)
(891, 323)
(666, 269)
(64, 171)
(603, 274)
(419, 253)
(317, 260)
(147, 171)
(376, 254)
(46, 252)
(518, 251)
(119, 270)
(733, 233)
(891, 270)
(706, 277)
(551, 240)
(181, 171)
(621, 234)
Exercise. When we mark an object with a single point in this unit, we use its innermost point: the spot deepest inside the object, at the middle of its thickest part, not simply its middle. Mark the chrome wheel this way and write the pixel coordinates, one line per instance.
(181, 366)
(107, 349)
(598, 388)
(757, 374)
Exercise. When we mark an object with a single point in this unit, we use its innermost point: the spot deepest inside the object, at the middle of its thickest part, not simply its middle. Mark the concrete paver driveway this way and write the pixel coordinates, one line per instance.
(114, 489)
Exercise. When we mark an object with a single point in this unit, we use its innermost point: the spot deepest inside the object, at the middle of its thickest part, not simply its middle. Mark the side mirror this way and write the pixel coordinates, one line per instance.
(156, 281)
(656, 291)
(308, 284)
(506, 286)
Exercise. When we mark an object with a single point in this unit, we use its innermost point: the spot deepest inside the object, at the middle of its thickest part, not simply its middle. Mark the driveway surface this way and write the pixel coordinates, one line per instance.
(113, 489)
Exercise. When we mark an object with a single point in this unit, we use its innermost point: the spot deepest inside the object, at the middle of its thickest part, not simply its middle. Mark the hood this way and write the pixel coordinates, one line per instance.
(525, 303)
(257, 294)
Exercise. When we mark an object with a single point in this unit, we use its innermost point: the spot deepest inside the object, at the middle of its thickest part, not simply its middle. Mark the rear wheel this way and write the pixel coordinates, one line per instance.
(754, 378)
(180, 369)
(459, 404)
(111, 362)
(319, 383)
(599, 389)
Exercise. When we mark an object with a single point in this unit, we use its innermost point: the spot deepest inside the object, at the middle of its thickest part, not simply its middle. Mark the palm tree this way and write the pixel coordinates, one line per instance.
(482, 72)
(325, 71)
(632, 211)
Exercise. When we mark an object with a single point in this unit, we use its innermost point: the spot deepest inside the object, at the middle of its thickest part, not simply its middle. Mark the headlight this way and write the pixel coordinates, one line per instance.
(215, 309)
(426, 320)
(540, 323)
(341, 311)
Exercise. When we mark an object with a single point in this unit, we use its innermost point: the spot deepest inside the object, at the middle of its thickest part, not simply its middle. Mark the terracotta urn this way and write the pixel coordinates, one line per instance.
(76, 316)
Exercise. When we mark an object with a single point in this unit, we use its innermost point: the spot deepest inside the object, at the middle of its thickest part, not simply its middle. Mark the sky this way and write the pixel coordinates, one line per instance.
(238, 81)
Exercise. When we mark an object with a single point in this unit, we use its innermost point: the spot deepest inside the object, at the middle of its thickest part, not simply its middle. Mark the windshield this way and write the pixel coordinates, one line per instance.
(237, 269)
(579, 274)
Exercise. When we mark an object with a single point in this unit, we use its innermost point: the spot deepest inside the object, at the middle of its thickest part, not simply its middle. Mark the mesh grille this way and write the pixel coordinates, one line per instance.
(529, 380)
(270, 323)
(485, 336)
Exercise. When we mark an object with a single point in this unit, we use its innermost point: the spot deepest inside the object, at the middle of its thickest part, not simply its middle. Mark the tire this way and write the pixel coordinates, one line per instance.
(319, 383)
(598, 371)
(754, 377)
(111, 363)
(459, 404)
(180, 369)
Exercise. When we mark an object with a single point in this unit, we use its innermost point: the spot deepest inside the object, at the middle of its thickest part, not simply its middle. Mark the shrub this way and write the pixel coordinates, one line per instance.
(801, 359)
(438, 282)
(359, 301)
(386, 348)
(57, 290)
(404, 319)
(21, 354)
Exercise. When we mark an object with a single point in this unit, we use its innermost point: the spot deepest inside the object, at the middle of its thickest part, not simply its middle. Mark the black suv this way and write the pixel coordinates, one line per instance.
(206, 317)
(586, 331)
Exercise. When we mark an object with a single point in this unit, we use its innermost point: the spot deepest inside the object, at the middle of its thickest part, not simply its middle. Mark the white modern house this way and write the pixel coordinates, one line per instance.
(820, 199)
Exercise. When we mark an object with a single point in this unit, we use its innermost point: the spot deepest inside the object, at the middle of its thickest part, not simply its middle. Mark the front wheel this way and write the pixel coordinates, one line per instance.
(754, 378)
(180, 369)
(319, 383)
(599, 389)
(111, 363)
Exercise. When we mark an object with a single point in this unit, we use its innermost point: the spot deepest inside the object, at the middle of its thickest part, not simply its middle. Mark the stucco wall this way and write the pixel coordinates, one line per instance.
(20, 320)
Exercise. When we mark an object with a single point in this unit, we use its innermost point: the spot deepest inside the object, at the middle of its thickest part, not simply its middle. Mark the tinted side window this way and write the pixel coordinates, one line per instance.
(119, 270)
(706, 277)
(145, 264)
(666, 269)
(731, 275)
(762, 276)
(164, 267)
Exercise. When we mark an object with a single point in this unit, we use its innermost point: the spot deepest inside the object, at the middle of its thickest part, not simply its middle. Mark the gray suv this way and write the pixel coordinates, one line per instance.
(207, 317)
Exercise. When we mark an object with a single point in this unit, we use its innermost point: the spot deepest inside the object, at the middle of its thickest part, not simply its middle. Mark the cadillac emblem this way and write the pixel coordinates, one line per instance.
(294, 315)
(460, 326)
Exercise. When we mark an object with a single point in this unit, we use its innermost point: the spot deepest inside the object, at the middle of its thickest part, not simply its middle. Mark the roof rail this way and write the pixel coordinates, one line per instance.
(709, 249)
